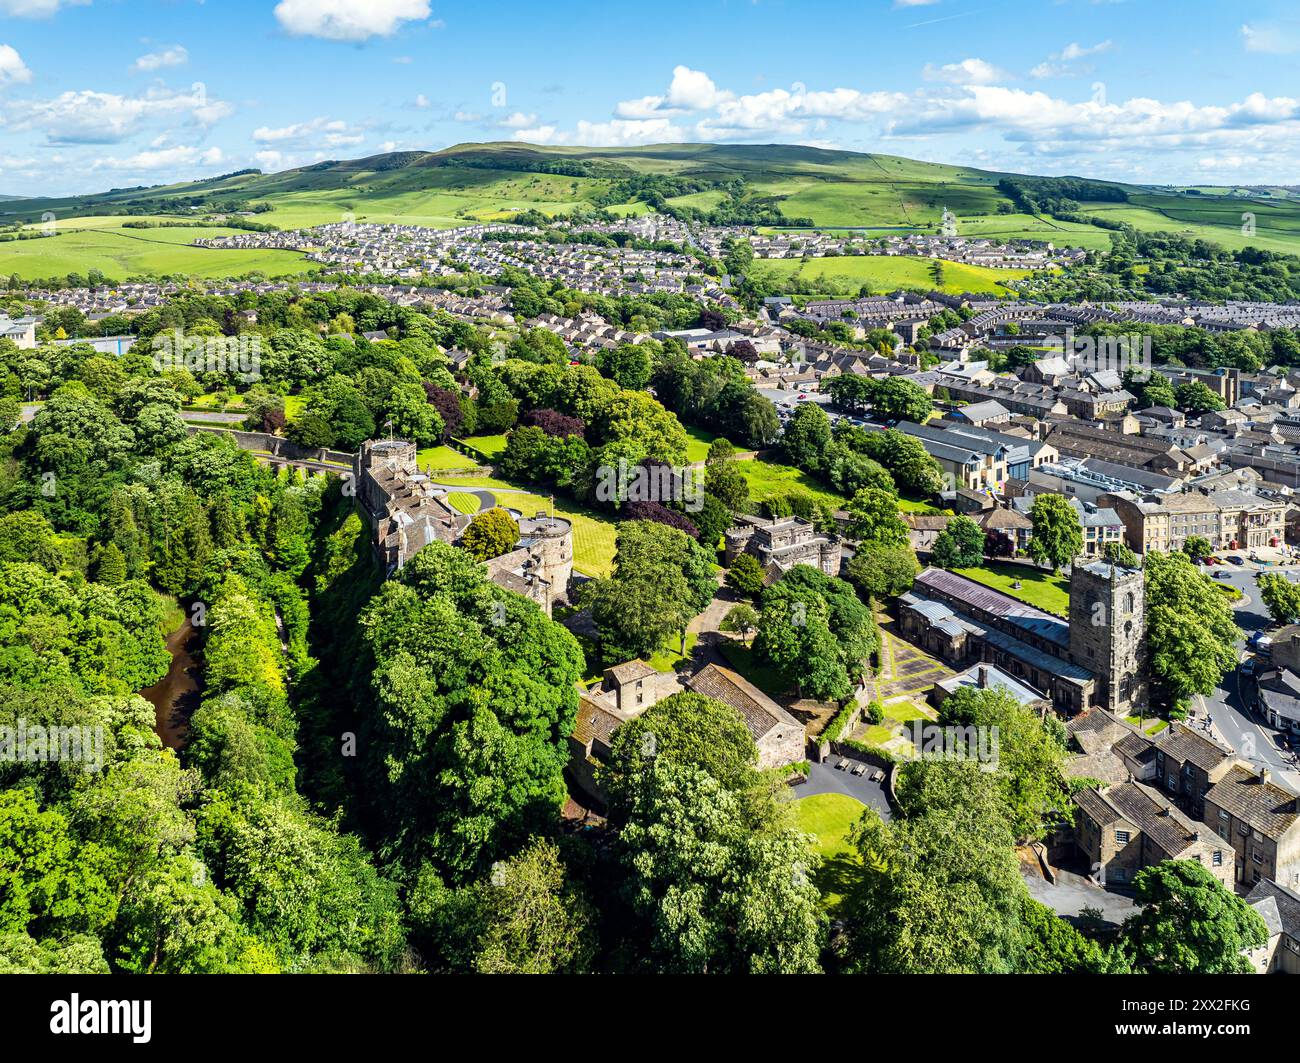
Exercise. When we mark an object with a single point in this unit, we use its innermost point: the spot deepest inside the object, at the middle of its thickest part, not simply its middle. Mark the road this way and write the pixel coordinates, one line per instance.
(1236, 725)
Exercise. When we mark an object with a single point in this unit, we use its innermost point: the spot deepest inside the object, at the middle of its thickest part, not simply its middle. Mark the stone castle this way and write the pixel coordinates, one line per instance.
(780, 544)
(407, 510)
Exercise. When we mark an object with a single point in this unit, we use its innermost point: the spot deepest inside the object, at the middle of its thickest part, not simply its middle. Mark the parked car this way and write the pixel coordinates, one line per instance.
(1233, 559)
(1222, 574)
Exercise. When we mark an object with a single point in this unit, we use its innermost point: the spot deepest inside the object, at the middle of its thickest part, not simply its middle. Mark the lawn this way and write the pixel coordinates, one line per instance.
(463, 502)
(83, 244)
(440, 459)
(698, 447)
(769, 480)
(491, 446)
(830, 819)
(666, 660)
(593, 533)
(1037, 587)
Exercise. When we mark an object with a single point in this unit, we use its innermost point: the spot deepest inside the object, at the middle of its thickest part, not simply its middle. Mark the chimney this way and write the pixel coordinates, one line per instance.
(983, 676)
(1264, 775)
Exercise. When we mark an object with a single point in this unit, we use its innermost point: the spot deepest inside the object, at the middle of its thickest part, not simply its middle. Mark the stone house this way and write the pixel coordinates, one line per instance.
(1124, 828)
(1262, 823)
(1188, 763)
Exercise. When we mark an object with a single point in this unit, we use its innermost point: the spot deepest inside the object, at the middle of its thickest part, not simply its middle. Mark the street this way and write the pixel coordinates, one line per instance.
(1232, 721)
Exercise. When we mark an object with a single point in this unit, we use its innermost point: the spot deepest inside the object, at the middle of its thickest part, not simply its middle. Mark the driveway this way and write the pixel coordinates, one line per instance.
(1070, 894)
(824, 779)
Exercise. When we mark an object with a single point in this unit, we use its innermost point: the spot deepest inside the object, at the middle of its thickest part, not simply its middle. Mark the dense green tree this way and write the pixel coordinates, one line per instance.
(490, 534)
(881, 572)
(1191, 632)
(874, 519)
(745, 576)
(1057, 537)
(1188, 923)
(959, 545)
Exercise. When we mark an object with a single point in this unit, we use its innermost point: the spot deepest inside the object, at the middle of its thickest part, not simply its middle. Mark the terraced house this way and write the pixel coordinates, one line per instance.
(1122, 829)
(1261, 821)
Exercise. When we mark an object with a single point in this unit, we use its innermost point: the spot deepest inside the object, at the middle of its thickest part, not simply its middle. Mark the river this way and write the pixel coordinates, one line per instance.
(176, 695)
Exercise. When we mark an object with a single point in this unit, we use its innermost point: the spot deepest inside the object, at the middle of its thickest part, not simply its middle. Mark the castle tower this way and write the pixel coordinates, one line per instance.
(551, 542)
(1108, 631)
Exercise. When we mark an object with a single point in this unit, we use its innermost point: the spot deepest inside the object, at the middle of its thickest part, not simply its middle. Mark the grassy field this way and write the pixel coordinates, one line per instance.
(847, 275)
(830, 819)
(443, 458)
(482, 182)
(1037, 587)
(769, 480)
(489, 445)
(698, 447)
(101, 243)
(463, 502)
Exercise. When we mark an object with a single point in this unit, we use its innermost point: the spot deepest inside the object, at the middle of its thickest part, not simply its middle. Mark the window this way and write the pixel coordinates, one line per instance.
(1257, 858)
(1222, 814)
(1121, 837)
(1218, 858)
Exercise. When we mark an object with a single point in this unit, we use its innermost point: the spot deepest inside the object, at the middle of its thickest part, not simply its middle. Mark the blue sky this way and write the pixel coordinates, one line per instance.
(101, 93)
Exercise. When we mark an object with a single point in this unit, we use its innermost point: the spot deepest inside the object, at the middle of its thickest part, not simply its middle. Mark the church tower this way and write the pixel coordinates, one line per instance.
(1108, 632)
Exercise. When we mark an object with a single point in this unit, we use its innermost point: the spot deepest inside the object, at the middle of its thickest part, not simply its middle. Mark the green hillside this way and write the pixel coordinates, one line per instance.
(485, 182)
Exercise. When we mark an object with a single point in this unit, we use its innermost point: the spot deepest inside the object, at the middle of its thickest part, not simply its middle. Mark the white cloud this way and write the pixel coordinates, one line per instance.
(164, 159)
(348, 20)
(1138, 124)
(967, 72)
(518, 120)
(914, 3)
(689, 90)
(175, 55)
(89, 117)
(319, 133)
(1270, 40)
(36, 8)
(1074, 50)
(12, 67)
(1066, 62)
(422, 101)
(546, 134)
(468, 116)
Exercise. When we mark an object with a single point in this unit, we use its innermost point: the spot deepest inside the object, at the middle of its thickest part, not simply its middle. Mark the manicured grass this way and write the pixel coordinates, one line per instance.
(698, 447)
(489, 445)
(593, 533)
(769, 480)
(1037, 587)
(463, 502)
(830, 817)
(666, 659)
(441, 458)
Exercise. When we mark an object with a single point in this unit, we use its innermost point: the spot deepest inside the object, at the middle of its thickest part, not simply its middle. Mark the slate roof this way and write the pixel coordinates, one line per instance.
(760, 712)
(1265, 806)
(1287, 903)
(1187, 746)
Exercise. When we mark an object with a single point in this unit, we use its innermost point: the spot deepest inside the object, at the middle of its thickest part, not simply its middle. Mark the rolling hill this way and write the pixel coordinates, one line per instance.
(483, 182)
